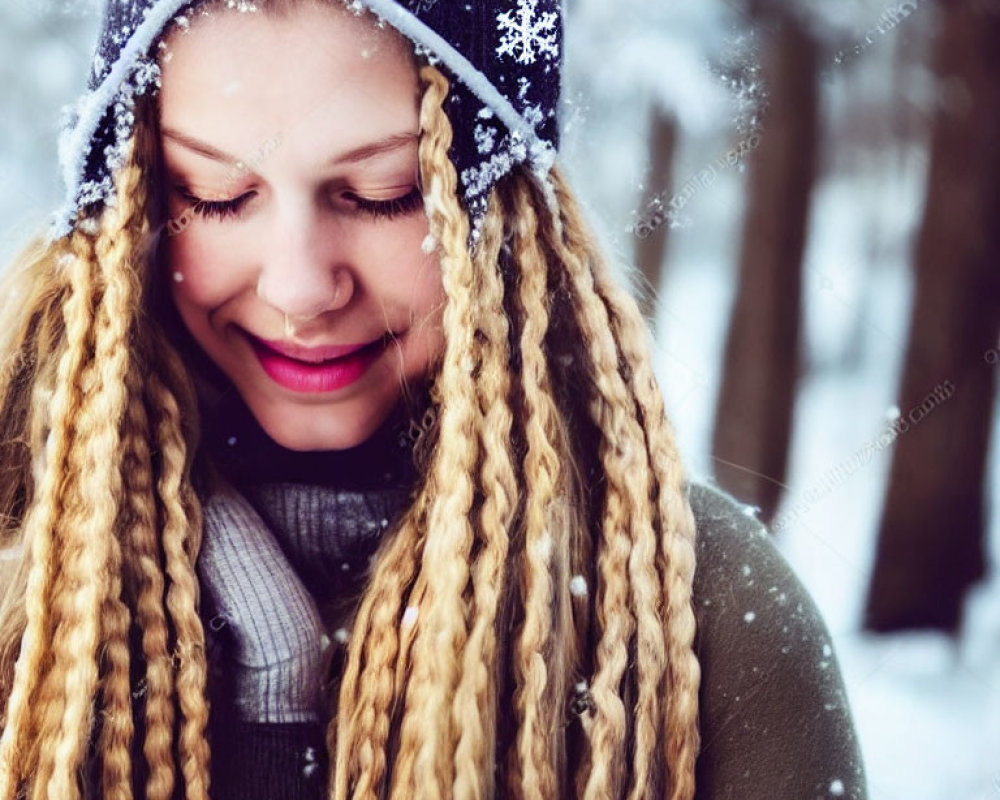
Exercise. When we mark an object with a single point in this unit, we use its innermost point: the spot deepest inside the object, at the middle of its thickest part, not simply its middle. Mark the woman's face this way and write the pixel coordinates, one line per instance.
(296, 221)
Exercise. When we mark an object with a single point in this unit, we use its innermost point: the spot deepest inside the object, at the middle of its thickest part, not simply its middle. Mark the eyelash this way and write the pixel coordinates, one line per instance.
(388, 209)
(376, 209)
(216, 208)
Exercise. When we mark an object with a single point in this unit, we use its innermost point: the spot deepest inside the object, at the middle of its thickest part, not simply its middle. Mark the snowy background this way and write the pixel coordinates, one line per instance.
(927, 707)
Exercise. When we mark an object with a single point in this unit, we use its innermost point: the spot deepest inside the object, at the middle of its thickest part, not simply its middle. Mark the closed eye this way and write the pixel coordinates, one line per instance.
(388, 209)
(218, 209)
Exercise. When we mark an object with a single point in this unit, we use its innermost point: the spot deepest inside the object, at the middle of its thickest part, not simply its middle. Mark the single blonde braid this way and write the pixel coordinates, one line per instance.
(474, 709)
(427, 736)
(143, 560)
(180, 537)
(539, 687)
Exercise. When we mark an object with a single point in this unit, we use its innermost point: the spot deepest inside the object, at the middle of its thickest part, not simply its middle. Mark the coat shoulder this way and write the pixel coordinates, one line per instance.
(773, 711)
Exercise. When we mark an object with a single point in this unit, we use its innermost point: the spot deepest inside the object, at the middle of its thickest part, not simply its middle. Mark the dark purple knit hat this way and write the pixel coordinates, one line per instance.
(502, 57)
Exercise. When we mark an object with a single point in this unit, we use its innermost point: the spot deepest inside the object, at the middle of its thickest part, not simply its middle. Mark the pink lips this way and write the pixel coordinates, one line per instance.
(316, 369)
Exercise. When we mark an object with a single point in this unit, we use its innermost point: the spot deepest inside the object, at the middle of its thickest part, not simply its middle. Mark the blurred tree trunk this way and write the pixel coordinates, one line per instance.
(911, 46)
(931, 540)
(651, 246)
(761, 362)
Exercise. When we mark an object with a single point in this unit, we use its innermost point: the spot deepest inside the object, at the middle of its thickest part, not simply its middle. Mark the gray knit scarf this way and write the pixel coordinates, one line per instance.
(276, 567)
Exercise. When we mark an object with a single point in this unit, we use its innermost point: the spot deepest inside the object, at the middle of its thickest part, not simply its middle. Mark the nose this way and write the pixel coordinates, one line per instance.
(304, 270)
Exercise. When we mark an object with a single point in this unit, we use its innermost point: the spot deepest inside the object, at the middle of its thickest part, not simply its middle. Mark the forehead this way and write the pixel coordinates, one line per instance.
(264, 72)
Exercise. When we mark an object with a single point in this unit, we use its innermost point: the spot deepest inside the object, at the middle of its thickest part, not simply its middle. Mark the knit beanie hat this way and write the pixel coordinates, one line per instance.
(502, 58)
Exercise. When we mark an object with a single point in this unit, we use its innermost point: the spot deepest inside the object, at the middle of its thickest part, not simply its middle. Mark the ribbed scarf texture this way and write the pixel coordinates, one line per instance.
(275, 566)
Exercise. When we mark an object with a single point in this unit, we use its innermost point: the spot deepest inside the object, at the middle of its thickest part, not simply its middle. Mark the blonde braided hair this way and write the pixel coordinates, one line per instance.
(80, 508)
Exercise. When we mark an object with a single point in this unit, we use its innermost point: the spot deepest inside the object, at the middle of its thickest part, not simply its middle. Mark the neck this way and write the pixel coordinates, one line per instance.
(240, 449)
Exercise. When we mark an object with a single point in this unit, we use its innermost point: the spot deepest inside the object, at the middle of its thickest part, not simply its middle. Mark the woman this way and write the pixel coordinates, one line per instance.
(335, 456)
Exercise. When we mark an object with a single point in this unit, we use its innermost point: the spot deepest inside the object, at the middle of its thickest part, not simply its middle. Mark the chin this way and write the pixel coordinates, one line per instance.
(316, 430)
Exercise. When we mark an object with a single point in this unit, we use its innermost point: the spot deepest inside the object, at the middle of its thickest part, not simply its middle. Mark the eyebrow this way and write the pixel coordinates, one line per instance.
(363, 153)
(199, 147)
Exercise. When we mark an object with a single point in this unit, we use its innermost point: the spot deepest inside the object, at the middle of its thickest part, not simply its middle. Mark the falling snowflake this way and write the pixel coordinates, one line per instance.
(311, 764)
(528, 34)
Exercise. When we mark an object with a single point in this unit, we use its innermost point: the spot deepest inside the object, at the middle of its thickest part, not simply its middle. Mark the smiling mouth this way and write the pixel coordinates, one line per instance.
(315, 356)
(317, 369)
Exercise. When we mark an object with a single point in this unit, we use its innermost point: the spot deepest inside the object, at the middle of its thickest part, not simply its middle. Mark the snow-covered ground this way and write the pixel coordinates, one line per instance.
(927, 708)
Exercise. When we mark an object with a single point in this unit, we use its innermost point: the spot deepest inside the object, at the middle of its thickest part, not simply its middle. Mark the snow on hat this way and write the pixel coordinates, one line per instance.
(504, 53)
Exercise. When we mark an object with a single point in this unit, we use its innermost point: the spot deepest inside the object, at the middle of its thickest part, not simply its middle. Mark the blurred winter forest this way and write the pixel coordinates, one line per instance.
(805, 196)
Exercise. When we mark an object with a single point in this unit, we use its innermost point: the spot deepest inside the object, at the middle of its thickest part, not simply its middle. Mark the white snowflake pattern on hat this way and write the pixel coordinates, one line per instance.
(528, 34)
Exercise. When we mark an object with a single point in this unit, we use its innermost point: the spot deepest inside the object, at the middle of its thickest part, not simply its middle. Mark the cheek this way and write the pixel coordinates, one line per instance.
(416, 272)
(429, 290)
(427, 301)
(200, 271)
(424, 292)
(411, 282)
